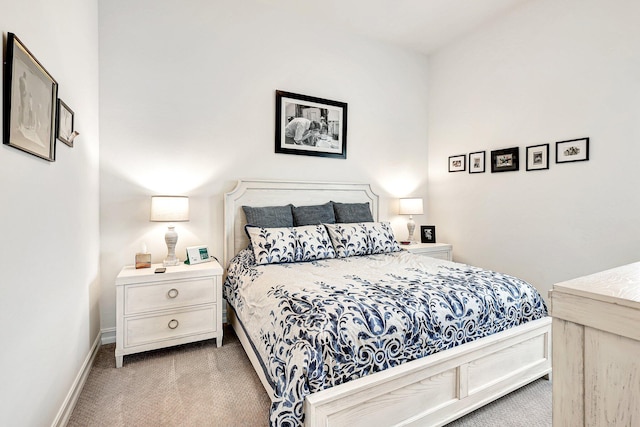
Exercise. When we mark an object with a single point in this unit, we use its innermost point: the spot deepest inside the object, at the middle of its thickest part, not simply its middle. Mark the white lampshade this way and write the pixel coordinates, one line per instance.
(169, 208)
(411, 206)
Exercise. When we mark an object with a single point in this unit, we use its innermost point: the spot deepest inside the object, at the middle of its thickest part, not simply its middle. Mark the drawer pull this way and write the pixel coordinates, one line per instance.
(172, 293)
(173, 323)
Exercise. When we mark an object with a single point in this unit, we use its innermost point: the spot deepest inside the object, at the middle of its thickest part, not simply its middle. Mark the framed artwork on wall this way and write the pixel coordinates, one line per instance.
(65, 123)
(428, 233)
(310, 126)
(573, 150)
(476, 162)
(457, 163)
(505, 160)
(30, 95)
(538, 157)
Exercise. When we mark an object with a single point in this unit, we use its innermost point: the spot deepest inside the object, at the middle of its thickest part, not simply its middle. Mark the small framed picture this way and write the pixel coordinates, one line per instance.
(538, 157)
(476, 162)
(65, 123)
(505, 160)
(457, 163)
(574, 150)
(428, 233)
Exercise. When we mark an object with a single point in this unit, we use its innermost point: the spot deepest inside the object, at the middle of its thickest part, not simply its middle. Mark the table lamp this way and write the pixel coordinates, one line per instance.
(411, 206)
(170, 209)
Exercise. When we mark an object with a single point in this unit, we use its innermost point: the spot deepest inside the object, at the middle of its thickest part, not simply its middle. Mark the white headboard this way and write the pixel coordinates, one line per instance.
(278, 193)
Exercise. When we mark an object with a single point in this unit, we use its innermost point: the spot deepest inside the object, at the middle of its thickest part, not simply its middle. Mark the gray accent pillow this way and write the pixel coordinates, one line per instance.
(352, 212)
(269, 216)
(313, 215)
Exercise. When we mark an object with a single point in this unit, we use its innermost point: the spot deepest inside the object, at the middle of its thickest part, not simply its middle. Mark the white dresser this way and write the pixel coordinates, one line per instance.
(596, 349)
(156, 310)
(433, 250)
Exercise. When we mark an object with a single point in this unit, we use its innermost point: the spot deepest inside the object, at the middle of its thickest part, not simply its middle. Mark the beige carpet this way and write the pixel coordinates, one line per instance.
(202, 385)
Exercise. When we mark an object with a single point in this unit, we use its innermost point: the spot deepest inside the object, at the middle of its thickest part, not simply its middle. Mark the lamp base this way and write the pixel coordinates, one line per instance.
(170, 262)
(171, 238)
(411, 227)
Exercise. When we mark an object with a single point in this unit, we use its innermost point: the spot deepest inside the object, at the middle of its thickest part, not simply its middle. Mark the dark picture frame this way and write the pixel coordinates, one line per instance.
(538, 157)
(457, 163)
(30, 95)
(477, 162)
(64, 123)
(310, 126)
(505, 160)
(573, 150)
(428, 233)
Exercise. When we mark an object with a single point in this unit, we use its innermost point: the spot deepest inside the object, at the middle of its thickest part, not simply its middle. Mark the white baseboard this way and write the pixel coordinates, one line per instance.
(62, 418)
(108, 336)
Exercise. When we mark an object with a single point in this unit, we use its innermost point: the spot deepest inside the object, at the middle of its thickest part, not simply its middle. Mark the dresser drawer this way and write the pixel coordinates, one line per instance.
(168, 295)
(148, 329)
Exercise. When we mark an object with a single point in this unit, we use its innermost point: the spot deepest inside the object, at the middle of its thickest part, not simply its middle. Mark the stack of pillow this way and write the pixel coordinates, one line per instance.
(280, 234)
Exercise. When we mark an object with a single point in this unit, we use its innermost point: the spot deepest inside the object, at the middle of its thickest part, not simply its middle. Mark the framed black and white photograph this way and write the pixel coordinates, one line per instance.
(573, 150)
(476, 162)
(505, 160)
(65, 123)
(428, 233)
(457, 163)
(30, 95)
(538, 157)
(310, 126)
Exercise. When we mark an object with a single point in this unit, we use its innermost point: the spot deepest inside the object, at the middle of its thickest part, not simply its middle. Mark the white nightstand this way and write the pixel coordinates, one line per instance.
(156, 310)
(433, 250)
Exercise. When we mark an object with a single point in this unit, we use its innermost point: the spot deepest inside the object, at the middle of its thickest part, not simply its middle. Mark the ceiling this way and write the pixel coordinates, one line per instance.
(420, 25)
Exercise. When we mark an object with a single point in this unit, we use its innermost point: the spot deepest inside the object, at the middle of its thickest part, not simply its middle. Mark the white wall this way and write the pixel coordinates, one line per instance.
(187, 107)
(49, 255)
(550, 71)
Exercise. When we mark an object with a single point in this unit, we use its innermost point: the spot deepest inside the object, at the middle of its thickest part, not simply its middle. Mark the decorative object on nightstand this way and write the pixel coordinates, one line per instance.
(170, 209)
(411, 206)
(143, 258)
(433, 250)
(428, 233)
(157, 310)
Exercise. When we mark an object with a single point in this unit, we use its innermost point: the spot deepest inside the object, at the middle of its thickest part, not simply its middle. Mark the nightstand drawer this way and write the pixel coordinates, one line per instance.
(144, 330)
(446, 255)
(168, 295)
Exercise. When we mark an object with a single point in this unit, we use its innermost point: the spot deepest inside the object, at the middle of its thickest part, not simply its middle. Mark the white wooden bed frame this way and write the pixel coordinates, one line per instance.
(431, 391)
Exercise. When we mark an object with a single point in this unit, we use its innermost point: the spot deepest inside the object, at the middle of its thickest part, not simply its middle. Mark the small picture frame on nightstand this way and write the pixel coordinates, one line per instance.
(428, 233)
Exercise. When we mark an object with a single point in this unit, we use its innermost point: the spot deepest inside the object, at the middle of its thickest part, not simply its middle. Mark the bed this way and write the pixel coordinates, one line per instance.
(373, 368)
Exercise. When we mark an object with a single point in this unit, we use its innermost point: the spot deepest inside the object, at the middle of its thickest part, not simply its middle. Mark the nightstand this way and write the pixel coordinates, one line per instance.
(156, 310)
(433, 250)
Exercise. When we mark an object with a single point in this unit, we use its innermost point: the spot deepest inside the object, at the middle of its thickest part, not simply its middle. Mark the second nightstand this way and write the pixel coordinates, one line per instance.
(156, 310)
(433, 250)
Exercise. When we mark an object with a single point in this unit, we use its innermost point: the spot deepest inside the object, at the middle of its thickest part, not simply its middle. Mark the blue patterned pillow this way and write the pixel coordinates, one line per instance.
(313, 215)
(349, 239)
(269, 216)
(313, 243)
(381, 238)
(352, 212)
(272, 245)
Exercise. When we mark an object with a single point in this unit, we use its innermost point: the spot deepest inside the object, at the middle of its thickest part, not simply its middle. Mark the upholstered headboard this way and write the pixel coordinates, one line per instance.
(277, 193)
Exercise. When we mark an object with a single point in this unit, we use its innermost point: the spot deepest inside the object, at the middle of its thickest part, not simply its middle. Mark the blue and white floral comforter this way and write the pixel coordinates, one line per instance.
(319, 324)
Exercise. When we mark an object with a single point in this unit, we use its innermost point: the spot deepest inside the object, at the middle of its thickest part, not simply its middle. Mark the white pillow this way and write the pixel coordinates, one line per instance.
(290, 244)
(362, 238)
(349, 239)
(272, 245)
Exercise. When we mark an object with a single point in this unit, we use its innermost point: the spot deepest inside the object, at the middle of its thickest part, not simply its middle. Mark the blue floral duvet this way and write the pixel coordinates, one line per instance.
(319, 324)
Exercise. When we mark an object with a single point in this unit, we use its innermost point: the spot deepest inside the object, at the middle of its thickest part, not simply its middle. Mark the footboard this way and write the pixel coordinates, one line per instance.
(440, 388)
